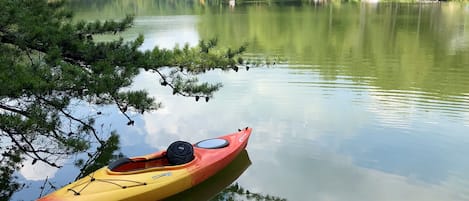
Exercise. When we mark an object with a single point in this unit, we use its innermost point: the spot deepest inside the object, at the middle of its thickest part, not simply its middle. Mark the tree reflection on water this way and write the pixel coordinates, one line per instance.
(221, 187)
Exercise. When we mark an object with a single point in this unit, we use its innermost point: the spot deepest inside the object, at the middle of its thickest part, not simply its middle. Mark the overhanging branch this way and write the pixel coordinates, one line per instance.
(31, 153)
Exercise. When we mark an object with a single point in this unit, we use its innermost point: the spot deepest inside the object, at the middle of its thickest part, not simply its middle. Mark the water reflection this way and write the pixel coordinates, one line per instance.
(38, 171)
(303, 137)
(335, 177)
(397, 45)
(214, 185)
(372, 103)
(170, 30)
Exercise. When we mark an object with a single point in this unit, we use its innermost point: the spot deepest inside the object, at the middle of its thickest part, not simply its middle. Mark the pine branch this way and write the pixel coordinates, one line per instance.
(123, 110)
(14, 110)
(108, 26)
(31, 153)
(70, 116)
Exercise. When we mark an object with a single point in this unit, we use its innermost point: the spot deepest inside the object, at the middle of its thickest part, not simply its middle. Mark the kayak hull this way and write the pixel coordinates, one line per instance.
(150, 182)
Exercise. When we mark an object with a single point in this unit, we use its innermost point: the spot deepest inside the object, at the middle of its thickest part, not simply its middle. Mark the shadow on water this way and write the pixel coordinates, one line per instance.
(216, 184)
(221, 187)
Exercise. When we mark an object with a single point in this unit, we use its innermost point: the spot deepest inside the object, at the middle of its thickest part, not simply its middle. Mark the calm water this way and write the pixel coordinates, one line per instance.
(364, 101)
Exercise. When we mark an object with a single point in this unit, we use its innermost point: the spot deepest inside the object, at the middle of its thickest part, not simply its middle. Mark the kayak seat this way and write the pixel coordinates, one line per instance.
(119, 162)
(127, 164)
(179, 153)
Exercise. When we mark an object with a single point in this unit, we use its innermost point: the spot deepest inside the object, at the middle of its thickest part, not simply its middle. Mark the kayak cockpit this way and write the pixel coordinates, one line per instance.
(178, 153)
(134, 164)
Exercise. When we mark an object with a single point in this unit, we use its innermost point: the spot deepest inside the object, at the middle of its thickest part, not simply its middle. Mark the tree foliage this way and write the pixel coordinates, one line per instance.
(49, 64)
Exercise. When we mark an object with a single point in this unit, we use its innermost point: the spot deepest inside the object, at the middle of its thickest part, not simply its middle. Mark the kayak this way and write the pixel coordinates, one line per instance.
(158, 175)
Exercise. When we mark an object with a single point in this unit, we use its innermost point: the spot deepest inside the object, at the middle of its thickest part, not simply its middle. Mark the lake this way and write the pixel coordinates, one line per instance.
(351, 101)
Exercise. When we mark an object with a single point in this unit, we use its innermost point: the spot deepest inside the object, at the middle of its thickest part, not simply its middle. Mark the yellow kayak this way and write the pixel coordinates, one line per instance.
(158, 175)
